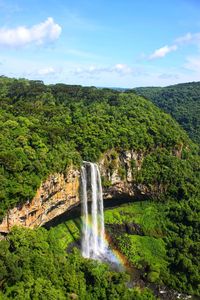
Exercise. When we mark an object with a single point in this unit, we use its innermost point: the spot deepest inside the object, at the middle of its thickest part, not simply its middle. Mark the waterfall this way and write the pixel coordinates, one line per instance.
(101, 212)
(85, 236)
(92, 215)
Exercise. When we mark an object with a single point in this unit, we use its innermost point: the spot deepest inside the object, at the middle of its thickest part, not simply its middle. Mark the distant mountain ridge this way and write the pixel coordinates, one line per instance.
(182, 101)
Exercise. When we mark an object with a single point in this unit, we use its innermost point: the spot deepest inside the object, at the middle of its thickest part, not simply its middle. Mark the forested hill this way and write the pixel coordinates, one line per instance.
(44, 129)
(182, 101)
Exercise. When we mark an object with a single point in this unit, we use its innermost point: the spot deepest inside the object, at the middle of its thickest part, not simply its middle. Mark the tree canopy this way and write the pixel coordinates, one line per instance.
(182, 101)
(46, 128)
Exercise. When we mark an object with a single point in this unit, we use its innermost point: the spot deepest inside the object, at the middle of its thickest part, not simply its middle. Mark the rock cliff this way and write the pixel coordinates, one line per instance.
(56, 195)
(118, 173)
(60, 192)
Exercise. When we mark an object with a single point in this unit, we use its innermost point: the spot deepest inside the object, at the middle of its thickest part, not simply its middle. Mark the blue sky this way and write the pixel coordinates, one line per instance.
(114, 43)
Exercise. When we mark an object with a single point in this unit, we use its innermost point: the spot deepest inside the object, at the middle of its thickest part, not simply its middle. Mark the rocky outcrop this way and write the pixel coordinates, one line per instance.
(56, 195)
(119, 229)
(118, 171)
(60, 192)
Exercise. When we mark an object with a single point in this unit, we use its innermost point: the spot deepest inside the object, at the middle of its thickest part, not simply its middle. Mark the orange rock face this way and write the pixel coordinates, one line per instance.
(56, 195)
(61, 192)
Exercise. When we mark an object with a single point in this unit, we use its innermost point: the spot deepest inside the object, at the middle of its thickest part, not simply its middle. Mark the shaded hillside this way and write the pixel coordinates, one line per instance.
(182, 101)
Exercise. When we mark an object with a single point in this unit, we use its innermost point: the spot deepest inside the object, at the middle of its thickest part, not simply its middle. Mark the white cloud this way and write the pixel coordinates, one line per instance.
(184, 39)
(189, 38)
(46, 71)
(91, 70)
(162, 52)
(120, 69)
(45, 32)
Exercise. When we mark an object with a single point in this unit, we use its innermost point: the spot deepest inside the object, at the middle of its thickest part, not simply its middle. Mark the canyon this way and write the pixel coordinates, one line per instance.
(60, 192)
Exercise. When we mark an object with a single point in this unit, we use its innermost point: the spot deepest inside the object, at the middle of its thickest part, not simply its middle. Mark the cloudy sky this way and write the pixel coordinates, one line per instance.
(114, 43)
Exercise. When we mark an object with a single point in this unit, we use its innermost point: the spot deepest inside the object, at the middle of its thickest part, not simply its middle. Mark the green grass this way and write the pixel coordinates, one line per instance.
(145, 252)
(67, 232)
(146, 214)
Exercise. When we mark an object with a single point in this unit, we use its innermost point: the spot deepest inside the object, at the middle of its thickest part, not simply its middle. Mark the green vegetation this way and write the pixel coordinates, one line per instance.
(167, 249)
(149, 215)
(34, 265)
(182, 101)
(67, 232)
(145, 253)
(161, 240)
(45, 129)
(146, 250)
(183, 246)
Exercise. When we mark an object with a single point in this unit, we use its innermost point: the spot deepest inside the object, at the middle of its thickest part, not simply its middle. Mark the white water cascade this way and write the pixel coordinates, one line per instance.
(93, 218)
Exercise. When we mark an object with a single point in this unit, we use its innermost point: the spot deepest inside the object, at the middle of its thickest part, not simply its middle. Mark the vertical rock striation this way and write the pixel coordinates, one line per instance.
(56, 195)
(59, 193)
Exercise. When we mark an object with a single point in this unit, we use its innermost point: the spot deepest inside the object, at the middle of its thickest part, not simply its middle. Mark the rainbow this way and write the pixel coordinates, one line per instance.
(112, 254)
(119, 257)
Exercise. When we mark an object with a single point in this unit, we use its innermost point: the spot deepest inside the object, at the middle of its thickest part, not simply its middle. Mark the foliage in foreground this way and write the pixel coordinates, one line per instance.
(168, 251)
(166, 247)
(183, 245)
(34, 265)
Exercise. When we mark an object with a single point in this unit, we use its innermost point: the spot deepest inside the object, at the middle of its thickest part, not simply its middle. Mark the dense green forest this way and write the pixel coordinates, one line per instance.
(34, 265)
(182, 101)
(44, 129)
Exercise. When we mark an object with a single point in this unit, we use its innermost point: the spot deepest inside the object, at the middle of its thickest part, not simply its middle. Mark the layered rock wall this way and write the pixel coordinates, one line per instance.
(61, 192)
(118, 171)
(56, 195)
